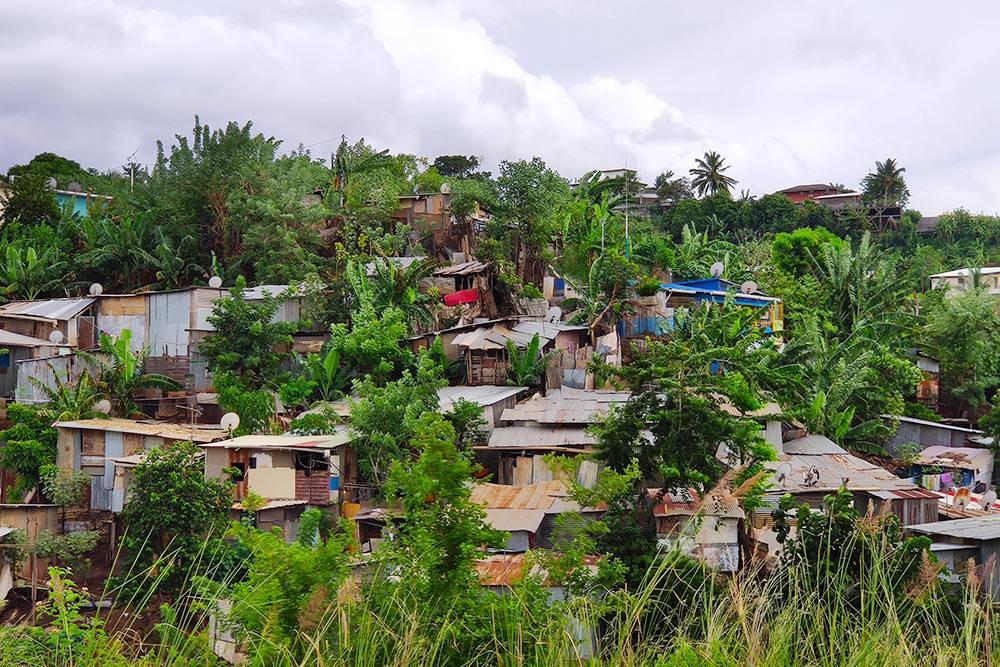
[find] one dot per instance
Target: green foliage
(173, 507)
(26, 273)
(648, 286)
(885, 186)
(794, 252)
(64, 487)
(526, 367)
(254, 406)
(68, 549)
(245, 338)
(30, 200)
(29, 445)
(466, 418)
(324, 423)
(443, 530)
(120, 373)
(708, 175)
(371, 347)
(68, 401)
(386, 416)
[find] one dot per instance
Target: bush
(648, 286)
(530, 291)
(69, 549)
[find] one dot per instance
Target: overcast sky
(788, 92)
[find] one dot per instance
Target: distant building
(81, 203)
(810, 191)
(961, 280)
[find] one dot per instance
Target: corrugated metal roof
(546, 329)
(955, 457)
(482, 395)
(812, 445)
(541, 436)
(11, 339)
(495, 338)
(463, 269)
(540, 496)
(5, 531)
(171, 431)
(512, 520)
(976, 528)
(924, 422)
(342, 437)
(257, 293)
(565, 406)
(274, 504)
(48, 309)
(959, 273)
(507, 569)
(833, 471)
(675, 501)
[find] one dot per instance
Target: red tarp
(464, 296)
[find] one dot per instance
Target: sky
(788, 92)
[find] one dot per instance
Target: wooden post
(112, 541)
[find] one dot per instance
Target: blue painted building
(654, 316)
(79, 201)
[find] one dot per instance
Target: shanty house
(939, 467)
(925, 433)
(486, 355)
(95, 445)
(308, 468)
(707, 529)
(493, 400)
(72, 318)
(21, 348)
(956, 541)
(962, 280)
(813, 466)
(528, 512)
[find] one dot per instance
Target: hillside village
(368, 368)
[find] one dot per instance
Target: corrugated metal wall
(169, 321)
(68, 368)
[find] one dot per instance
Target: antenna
(717, 269)
(446, 188)
(749, 287)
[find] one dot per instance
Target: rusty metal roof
(515, 520)
(565, 406)
(540, 496)
(507, 569)
(172, 431)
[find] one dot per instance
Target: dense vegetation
(229, 203)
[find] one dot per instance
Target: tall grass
(782, 618)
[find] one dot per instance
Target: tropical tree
(885, 186)
(120, 373)
(526, 367)
(672, 189)
(67, 400)
(393, 286)
(118, 250)
(708, 175)
(26, 274)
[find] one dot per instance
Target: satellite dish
(56, 336)
(553, 314)
(962, 497)
(96, 289)
(717, 269)
(749, 287)
(103, 406)
(446, 188)
(230, 421)
(215, 282)
(74, 187)
(988, 499)
(52, 183)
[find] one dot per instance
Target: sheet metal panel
(169, 321)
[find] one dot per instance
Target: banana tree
(526, 367)
(120, 373)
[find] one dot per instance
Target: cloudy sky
(789, 92)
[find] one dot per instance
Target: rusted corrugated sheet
(463, 269)
(534, 496)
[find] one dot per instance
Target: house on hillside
(486, 354)
(654, 316)
(309, 468)
(705, 528)
(429, 214)
(809, 191)
(18, 348)
(79, 202)
(493, 400)
(924, 433)
(928, 389)
(941, 467)
(957, 541)
(97, 446)
(67, 322)
(961, 280)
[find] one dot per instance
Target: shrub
(648, 286)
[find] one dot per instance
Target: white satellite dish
(56, 336)
(749, 287)
(446, 188)
(74, 187)
(988, 499)
(97, 289)
(717, 269)
(553, 314)
(52, 183)
(215, 282)
(230, 421)
(103, 406)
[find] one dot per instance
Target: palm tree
(886, 186)
(120, 373)
(26, 273)
(68, 401)
(391, 285)
(707, 175)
